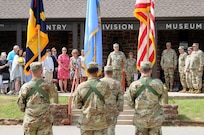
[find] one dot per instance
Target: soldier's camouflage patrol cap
(92, 65)
(145, 65)
(195, 44)
(190, 48)
(130, 53)
(116, 45)
(181, 47)
(108, 68)
(168, 43)
(36, 66)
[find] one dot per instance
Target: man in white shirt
(48, 67)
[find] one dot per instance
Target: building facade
(176, 22)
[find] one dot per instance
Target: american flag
(144, 12)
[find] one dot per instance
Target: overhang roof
(73, 9)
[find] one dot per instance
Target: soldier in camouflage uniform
(117, 59)
(168, 64)
(144, 95)
(130, 68)
(181, 66)
(91, 97)
(187, 71)
(196, 67)
(116, 98)
(34, 100)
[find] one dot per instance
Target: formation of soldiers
(118, 61)
(190, 67)
(101, 100)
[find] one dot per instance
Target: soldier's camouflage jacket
(35, 106)
(116, 60)
(93, 115)
(197, 60)
(168, 59)
(116, 98)
(148, 111)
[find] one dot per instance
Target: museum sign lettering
(184, 26)
(118, 26)
(56, 27)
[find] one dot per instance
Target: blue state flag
(93, 35)
(36, 22)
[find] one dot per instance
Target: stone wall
(60, 112)
(11, 121)
(170, 112)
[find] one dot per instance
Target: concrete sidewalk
(120, 130)
(174, 95)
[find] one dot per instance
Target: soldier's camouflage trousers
(149, 131)
(189, 80)
(196, 78)
(169, 78)
(94, 132)
(117, 74)
(183, 80)
(41, 130)
(111, 128)
(129, 77)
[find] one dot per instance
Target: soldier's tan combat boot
(187, 90)
(194, 91)
(190, 90)
(197, 91)
(183, 90)
(170, 89)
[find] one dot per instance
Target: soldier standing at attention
(196, 67)
(168, 64)
(181, 66)
(117, 60)
(187, 71)
(34, 100)
(130, 68)
(115, 100)
(91, 96)
(144, 95)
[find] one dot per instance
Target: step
(128, 121)
(74, 122)
(125, 122)
(125, 117)
(127, 112)
(76, 111)
(125, 107)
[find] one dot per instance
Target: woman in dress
(63, 70)
(75, 64)
(17, 74)
(83, 73)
